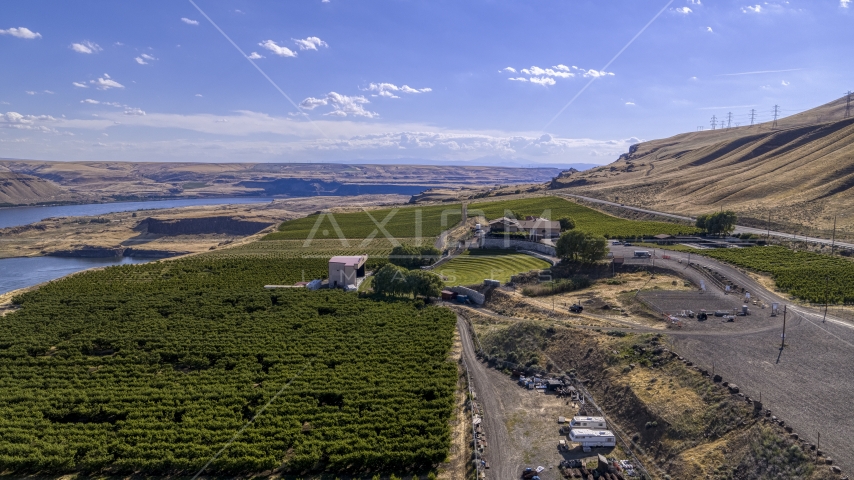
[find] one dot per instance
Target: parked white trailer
(589, 423)
(592, 438)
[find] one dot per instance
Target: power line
(714, 122)
(729, 120)
(776, 112)
(752, 115)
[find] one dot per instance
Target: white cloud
(96, 102)
(842, 3)
(21, 32)
(324, 1)
(25, 122)
(709, 29)
(147, 56)
(89, 100)
(695, 2)
(199, 95)
(683, 10)
(389, 89)
(596, 73)
(544, 81)
(508, 70)
(752, 9)
(342, 105)
(140, 61)
(49, 92)
(785, 83)
(255, 56)
(86, 47)
(548, 76)
(30, 92)
(240, 12)
(133, 111)
(106, 83)
(310, 43)
(630, 103)
(189, 21)
(79, 85)
(693, 78)
(561, 71)
(280, 51)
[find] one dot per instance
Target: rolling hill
(800, 171)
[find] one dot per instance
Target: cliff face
(200, 226)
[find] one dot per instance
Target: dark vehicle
(702, 315)
(576, 308)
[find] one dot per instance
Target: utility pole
(848, 104)
(714, 122)
(728, 119)
(722, 124)
(826, 282)
(776, 113)
(768, 234)
(833, 237)
(783, 340)
(752, 115)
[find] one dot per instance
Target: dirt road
(520, 425)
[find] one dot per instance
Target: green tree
(566, 223)
(569, 245)
(409, 256)
(594, 248)
(390, 280)
(720, 223)
(422, 282)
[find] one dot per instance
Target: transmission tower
(848, 104)
(776, 113)
(722, 124)
(728, 119)
(752, 115)
(714, 122)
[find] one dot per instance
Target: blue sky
(479, 81)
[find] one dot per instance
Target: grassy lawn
(474, 269)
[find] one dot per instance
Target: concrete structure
(473, 295)
(592, 438)
(590, 423)
(346, 271)
(535, 227)
(518, 244)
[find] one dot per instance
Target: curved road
(809, 383)
(738, 228)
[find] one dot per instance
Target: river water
(18, 273)
(24, 272)
(15, 216)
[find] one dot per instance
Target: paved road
(738, 228)
(809, 384)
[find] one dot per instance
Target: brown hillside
(801, 171)
(16, 188)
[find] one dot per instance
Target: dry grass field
(801, 172)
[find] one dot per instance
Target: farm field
(474, 269)
(805, 275)
(586, 219)
(403, 222)
(154, 368)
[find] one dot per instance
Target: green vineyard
(403, 222)
(586, 219)
(812, 277)
(154, 368)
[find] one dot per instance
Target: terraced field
(474, 269)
